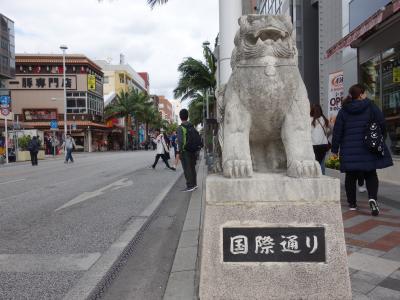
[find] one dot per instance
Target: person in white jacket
(320, 131)
(162, 149)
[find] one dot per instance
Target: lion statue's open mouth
(260, 36)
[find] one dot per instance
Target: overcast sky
(155, 40)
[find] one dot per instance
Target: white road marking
(12, 181)
(124, 182)
(47, 263)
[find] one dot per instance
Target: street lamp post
(64, 48)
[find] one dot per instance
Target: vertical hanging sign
(91, 82)
(335, 95)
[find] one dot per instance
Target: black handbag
(373, 137)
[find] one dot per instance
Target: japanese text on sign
(44, 82)
(280, 244)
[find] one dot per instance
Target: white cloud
(155, 40)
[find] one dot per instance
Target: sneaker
(188, 189)
(352, 206)
(151, 167)
(362, 189)
(374, 207)
(172, 169)
(196, 187)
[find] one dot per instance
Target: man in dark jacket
(355, 157)
(33, 148)
(188, 158)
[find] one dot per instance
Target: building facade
(165, 108)
(305, 19)
(7, 52)
(7, 67)
(120, 77)
(37, 95)
(370, 50)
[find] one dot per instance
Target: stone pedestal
(278, 201)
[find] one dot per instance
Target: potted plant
(23, 152)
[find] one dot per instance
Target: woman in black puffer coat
(355, 157)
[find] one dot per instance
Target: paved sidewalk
(373, 245)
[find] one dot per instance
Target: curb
(93, 282)
(183, 279)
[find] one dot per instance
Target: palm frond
(153, 3)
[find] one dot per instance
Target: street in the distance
(48, 242)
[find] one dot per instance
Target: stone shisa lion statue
(264, 108)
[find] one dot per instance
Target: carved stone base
(265, 201)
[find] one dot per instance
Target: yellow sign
(91, 82)
(396, 75)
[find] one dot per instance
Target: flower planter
(26, 156)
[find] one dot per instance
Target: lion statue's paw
(305, 168)
(238, 168)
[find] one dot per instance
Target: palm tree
(121, 107)
(196, 76)
(196, 80)
(153, 3)
(141, 105)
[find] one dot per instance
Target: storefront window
(391, 96)
(385, 91)
(369, 72)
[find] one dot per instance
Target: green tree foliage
(197, 78)
(132, 104)
(153, 3)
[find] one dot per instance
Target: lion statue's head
(263, 35)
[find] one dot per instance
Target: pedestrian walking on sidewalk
(357, 121)
(320, 132)
(33, 148)
(162, 151)
(69, 145)
(189, 143)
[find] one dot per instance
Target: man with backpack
(189, 143)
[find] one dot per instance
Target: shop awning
(61, 124)
(365, 28)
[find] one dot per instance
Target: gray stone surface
(189, 238)
(362, 286)
(371, 252)
(265, 107)
(395, 275)
(273, 187)
(259, 207)
(376, 233)
(393, 254)
(381, 293)
(368, 277)
(180, 286)
(372, 264)
(185, 259)
(391, 283)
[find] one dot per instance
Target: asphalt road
(56, 220)
(145, 273)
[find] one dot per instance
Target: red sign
(5, 111)
(40, 114)
(360, 30)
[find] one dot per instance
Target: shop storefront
(378, 53)
(381, 76)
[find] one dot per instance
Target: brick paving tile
(355, 242)
(369, 224)
(387, 242)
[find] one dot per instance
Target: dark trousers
(69, 155)
(189, 168)
(34, 158)
(371, 181)
(164, 158)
